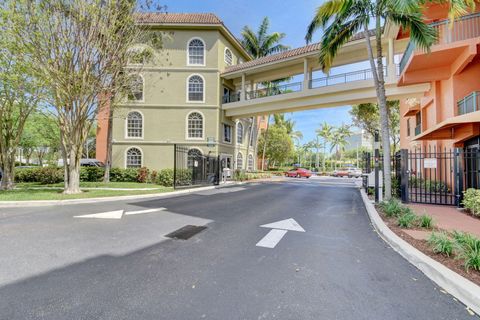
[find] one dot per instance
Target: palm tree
(325, 132)
(339, 140)
(342, 19)
(259, 45)
(289, 125)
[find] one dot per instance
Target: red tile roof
(286, 54)
(179, 18)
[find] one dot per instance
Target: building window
(408, 128)
(239, 161)
(135, 125)
(194, 157)
(239, 133)
(250, 162)
(195, 88)
(227, 133)
(135, 92)
(228, 57)
(195, 126)
(196, 52)
(134, 158)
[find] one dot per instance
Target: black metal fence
(431, 176)
(193, 169)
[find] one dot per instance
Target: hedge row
(51, 175)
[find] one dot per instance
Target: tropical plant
(407, 219)
(425, 221)
(441, 243)
(342, 19)
(338, 140)
(261, 44)
(325, 132)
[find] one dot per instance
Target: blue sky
(288, 16)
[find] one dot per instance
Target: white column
(306, 75)
(242, 95)
(391, 68)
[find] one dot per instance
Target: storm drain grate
(186, 232)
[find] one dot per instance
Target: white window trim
(126, 152)
(225, 57)
(203, 126)
(236, 133)
(204, 53)
(236, 160)
(231, 132)
(204, 88)
(143, 90)
(195, 148)
(253, 162)
(143, 126)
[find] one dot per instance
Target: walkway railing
(470, 103)
(466, 27)
(343, 78)
(274, 90)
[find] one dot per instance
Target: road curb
(461, 288)
(42, 203)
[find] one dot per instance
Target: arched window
(250, 162)
(195, 88)
(134, 158)
(239, 133)
(195, 126)
(196, 52)
(239, 161)
(194, 155)
(135, 125)
(228, 57)
(135, 92)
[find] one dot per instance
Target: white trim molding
(187, 89)
(204, 52)
(126, 125)
(203, 126)
(133, 147)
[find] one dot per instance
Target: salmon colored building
(448, 115)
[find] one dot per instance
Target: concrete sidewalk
(449, 218)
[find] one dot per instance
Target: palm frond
(422, 34)
(324, 13)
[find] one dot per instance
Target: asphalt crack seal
(186, 232)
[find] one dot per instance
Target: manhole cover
(186, 232)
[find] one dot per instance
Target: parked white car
(354, 172)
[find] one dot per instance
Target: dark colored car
(298, 173)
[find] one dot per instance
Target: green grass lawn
(25, 193)
(129, 185)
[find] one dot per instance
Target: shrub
(165, 178)
(43, 175)
(239, 175)
(426, 221)
(441, 243)
(123, 175)
(407, 219)
(153, 176)
(142, 175)
(393, 208)
(471, 201)
(91, 174)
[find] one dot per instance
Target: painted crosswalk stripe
(271, 239)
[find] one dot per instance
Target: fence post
(174, 166)
(377, 169)
(404, 175)
(458, 174)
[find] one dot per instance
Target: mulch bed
(422, 245)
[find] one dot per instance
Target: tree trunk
(378, 78)
(265, 143)
(108, 162)
(73, 168)
(8, 161)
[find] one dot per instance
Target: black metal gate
(193, 169)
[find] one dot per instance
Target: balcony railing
(470, 103)
(466, 27)
(418, 129)
(344, 78)
(234, 97)
(274, 90)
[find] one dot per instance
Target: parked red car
(298, 173)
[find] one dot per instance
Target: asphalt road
(55, 266)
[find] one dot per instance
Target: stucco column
(306, 75)
(391, 68)
(242, 95)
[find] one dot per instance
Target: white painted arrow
(103, 215)
(279, 229)
(131, 213)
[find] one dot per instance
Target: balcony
(469, 104)
(344, 78)
(234, 97)
(274, 90)
(418, 129)
(466, 27)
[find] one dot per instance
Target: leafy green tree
(338, 140)
(325, 132)
(80, 48)
(342, 19)
(278, 147)
(20, 91)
